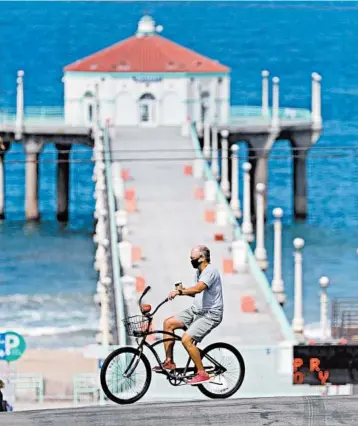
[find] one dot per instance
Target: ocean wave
(49, 315)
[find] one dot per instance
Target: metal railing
(34, 115)
(238, 112)
(255, 269)
(117, 283)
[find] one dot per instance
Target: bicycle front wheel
(226, 366)
(119, 388)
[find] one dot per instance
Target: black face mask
(195, 263)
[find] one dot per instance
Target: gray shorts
(198, 325)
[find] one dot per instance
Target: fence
(345, 319)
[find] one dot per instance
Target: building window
(90, 113)
(89, 105)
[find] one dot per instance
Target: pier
(258, 126)
(160, 209)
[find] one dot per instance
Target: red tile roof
(147, 54)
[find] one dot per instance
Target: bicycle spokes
(221, 364)
(119, 383)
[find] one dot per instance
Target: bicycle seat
(145, 308)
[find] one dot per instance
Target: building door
(147, 110)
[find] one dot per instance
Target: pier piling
(63, 175)
(32, 149)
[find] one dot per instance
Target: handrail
(117, 283)
(259, 275)
(237, 111)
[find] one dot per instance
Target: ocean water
(47, 279)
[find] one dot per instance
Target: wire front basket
(137, 326)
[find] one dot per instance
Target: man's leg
(170, 324)
(193, 351)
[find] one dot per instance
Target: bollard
(210, 190)
(275, 102)
(125, 254)
(221, 215)
(246, 227)
(298, 322)
(277, 284)
(225, 184)
(260, 251)
(129, 287)
(235, 199)
(324, 281)
(265, 93)
(206, 147)
(215, 154)
(240, 256)
(316, 100)
(121, 218)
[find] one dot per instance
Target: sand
(58, 368)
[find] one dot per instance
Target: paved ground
(307, 411)
(170, 221)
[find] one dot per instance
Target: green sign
(12, 346)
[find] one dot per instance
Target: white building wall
(224, 100)
(175, 98)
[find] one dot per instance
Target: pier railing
(116, 270)
(53, 115)
(255, 113)
(34, 115)
(254, 267)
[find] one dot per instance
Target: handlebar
(177, 284)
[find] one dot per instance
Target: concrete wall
(175, 98)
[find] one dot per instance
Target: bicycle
(133, 361)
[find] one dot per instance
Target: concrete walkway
(169, 221)
(327, 411)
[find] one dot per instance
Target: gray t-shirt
(212, 297)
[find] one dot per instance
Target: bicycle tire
(104, 368)
(240, 360)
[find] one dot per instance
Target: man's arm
(191, 291)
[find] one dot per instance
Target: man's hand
(173, 294)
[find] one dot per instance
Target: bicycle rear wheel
(121, 389)
(224, 384)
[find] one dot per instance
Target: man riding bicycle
(201, 318)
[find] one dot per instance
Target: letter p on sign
(11, 342)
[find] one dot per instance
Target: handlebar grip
(146, 291)
(143, 294)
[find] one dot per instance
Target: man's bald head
(199, 251)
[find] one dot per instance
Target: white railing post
(260, 251)
(235, 199)
(275, 102)
(206, 148)
(298, 322)
(215, 154)
(316, 100)
(246, 226)
(324, 281)
(19, 124)
(225, 184)
(265, 93)
(277, 284)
